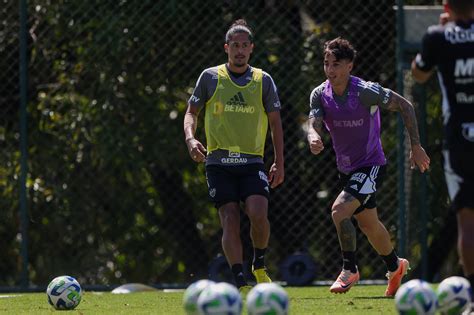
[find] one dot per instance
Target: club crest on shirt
(212, 192)
(468, 131)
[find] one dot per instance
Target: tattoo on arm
(347, 235)
(406, 109)
(318, 124)
(315, 126)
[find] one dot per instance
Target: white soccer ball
(416, 297)
(454, 295)
(64, 293)
(191, 296)
(267, 298)
(220, 298)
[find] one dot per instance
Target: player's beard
(240, 63)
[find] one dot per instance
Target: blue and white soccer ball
(267, 298)
(64, 293)
(416, 297)
(191, 296)
(454, 295)
(220, 298)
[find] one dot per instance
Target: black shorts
(459, 173)
(363, 184)
(236, 183)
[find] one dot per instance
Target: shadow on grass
(373, 297)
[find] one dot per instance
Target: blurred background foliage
(113, 196)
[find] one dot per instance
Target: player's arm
(190, 122)
(315, 122)
(422, 66)
(315, 127)
(277, 171)
(195, 148)
(419, 75)
(400, 104)
(271, 102)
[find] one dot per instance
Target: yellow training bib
(235, 118)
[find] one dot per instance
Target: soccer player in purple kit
(349, 108)
(450, 48)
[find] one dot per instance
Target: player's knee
(230, 232)
(340, 212)
(257, 215)
(230, 222)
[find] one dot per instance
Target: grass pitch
(361, 299)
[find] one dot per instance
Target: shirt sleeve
(315, 105)
(427, 58)
(373, 94)
(200, 93)
(270, 98)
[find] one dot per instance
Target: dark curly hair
(340, 48)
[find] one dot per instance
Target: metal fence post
(401, 134)
(24, 279)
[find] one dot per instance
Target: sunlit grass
(361, 299)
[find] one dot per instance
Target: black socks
(258, 263)
(238, 272)
(349, 261)
(391, 260)
(259, 258)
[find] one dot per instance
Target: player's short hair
(239, 26)
(461, 7)
(341, 49)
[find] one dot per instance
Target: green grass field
(362, 299)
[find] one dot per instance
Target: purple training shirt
(354, 129)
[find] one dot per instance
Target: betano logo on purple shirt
(348, 123)
(354, 129)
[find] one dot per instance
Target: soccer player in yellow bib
(240, 103)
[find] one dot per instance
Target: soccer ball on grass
(454, 295)
(415, 297)
(64, 293)
(191, 296)
(220, 298)
(267, 298)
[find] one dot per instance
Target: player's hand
(276, 175)
(315, 145)
(196, 150)
(419, 158)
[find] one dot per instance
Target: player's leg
(223, 191)
(257, 210)
(359, 188)
(256, 207)
(379, 238)
(375, 231)
(465, 218)
(255, 191)
(229, 215)
(342, 211)
(459, 173)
